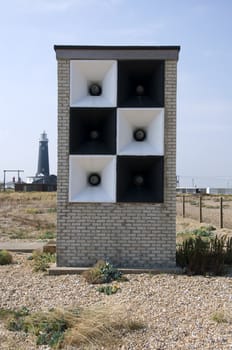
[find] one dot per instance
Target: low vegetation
(41, 260)
(205, 232)
(200, 256)
(108, 290)
(51, 210)
(47, 235)
(5, 257)
(34, 211)
(27, 215)
(222, 316)
(58, 328)
(103, 272)
(219, 317)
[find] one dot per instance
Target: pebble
(176, 309)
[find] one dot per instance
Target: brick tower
(116, 155)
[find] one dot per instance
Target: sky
(28, 74)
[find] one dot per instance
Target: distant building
(42, 181)
(211, 190)
(190, 190)
(43, 160)
(204, 190)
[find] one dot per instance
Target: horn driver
(95, 90)
(138, 180)
(94, 179)
(139, 134)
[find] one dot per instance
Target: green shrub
(216, 255)
(42, 261)
(47, 235)
(5, 257)
(15, 323)
(5, 314)
(228, 253)
(110, 273)
(52, 210)
(222, 316)
(198, 256)
(103, 272)
(48, 327)
(204, 231)
(108, 290)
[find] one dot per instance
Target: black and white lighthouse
(43, 160)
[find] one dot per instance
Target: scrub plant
(47, 235)
(108, 290)
(41, 260)
(103, 272)
(5, 257)
(228, 253)
(94, 327)
(199, 256)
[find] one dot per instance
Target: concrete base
(21, 246)
(54, 270)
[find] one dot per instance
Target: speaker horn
(92, 131)
(93, 83)
(92, 179)
(140, 179)
(140, 131)
(141, 83)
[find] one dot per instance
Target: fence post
(200, 208)
(221, 212)
(183, 206)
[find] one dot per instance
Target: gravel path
(177, 310)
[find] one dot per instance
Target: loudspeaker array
(116, 131)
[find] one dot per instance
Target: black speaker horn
(141, 83)
(140, 179)
(92, 131)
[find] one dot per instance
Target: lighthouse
(43, 160)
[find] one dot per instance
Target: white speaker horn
(140, 131)
(93, 83)
(92, 178)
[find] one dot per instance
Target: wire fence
(215, 210)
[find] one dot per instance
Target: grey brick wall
(135, 235)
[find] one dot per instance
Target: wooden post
(221, 212)
(4, 181)
(200, 208)
(183, 206)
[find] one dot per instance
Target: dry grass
(210, 209)
(83, 328)
(222, 315)
(101, 327)
(30, 215)
(27, 215)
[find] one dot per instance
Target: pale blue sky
(28, 94)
